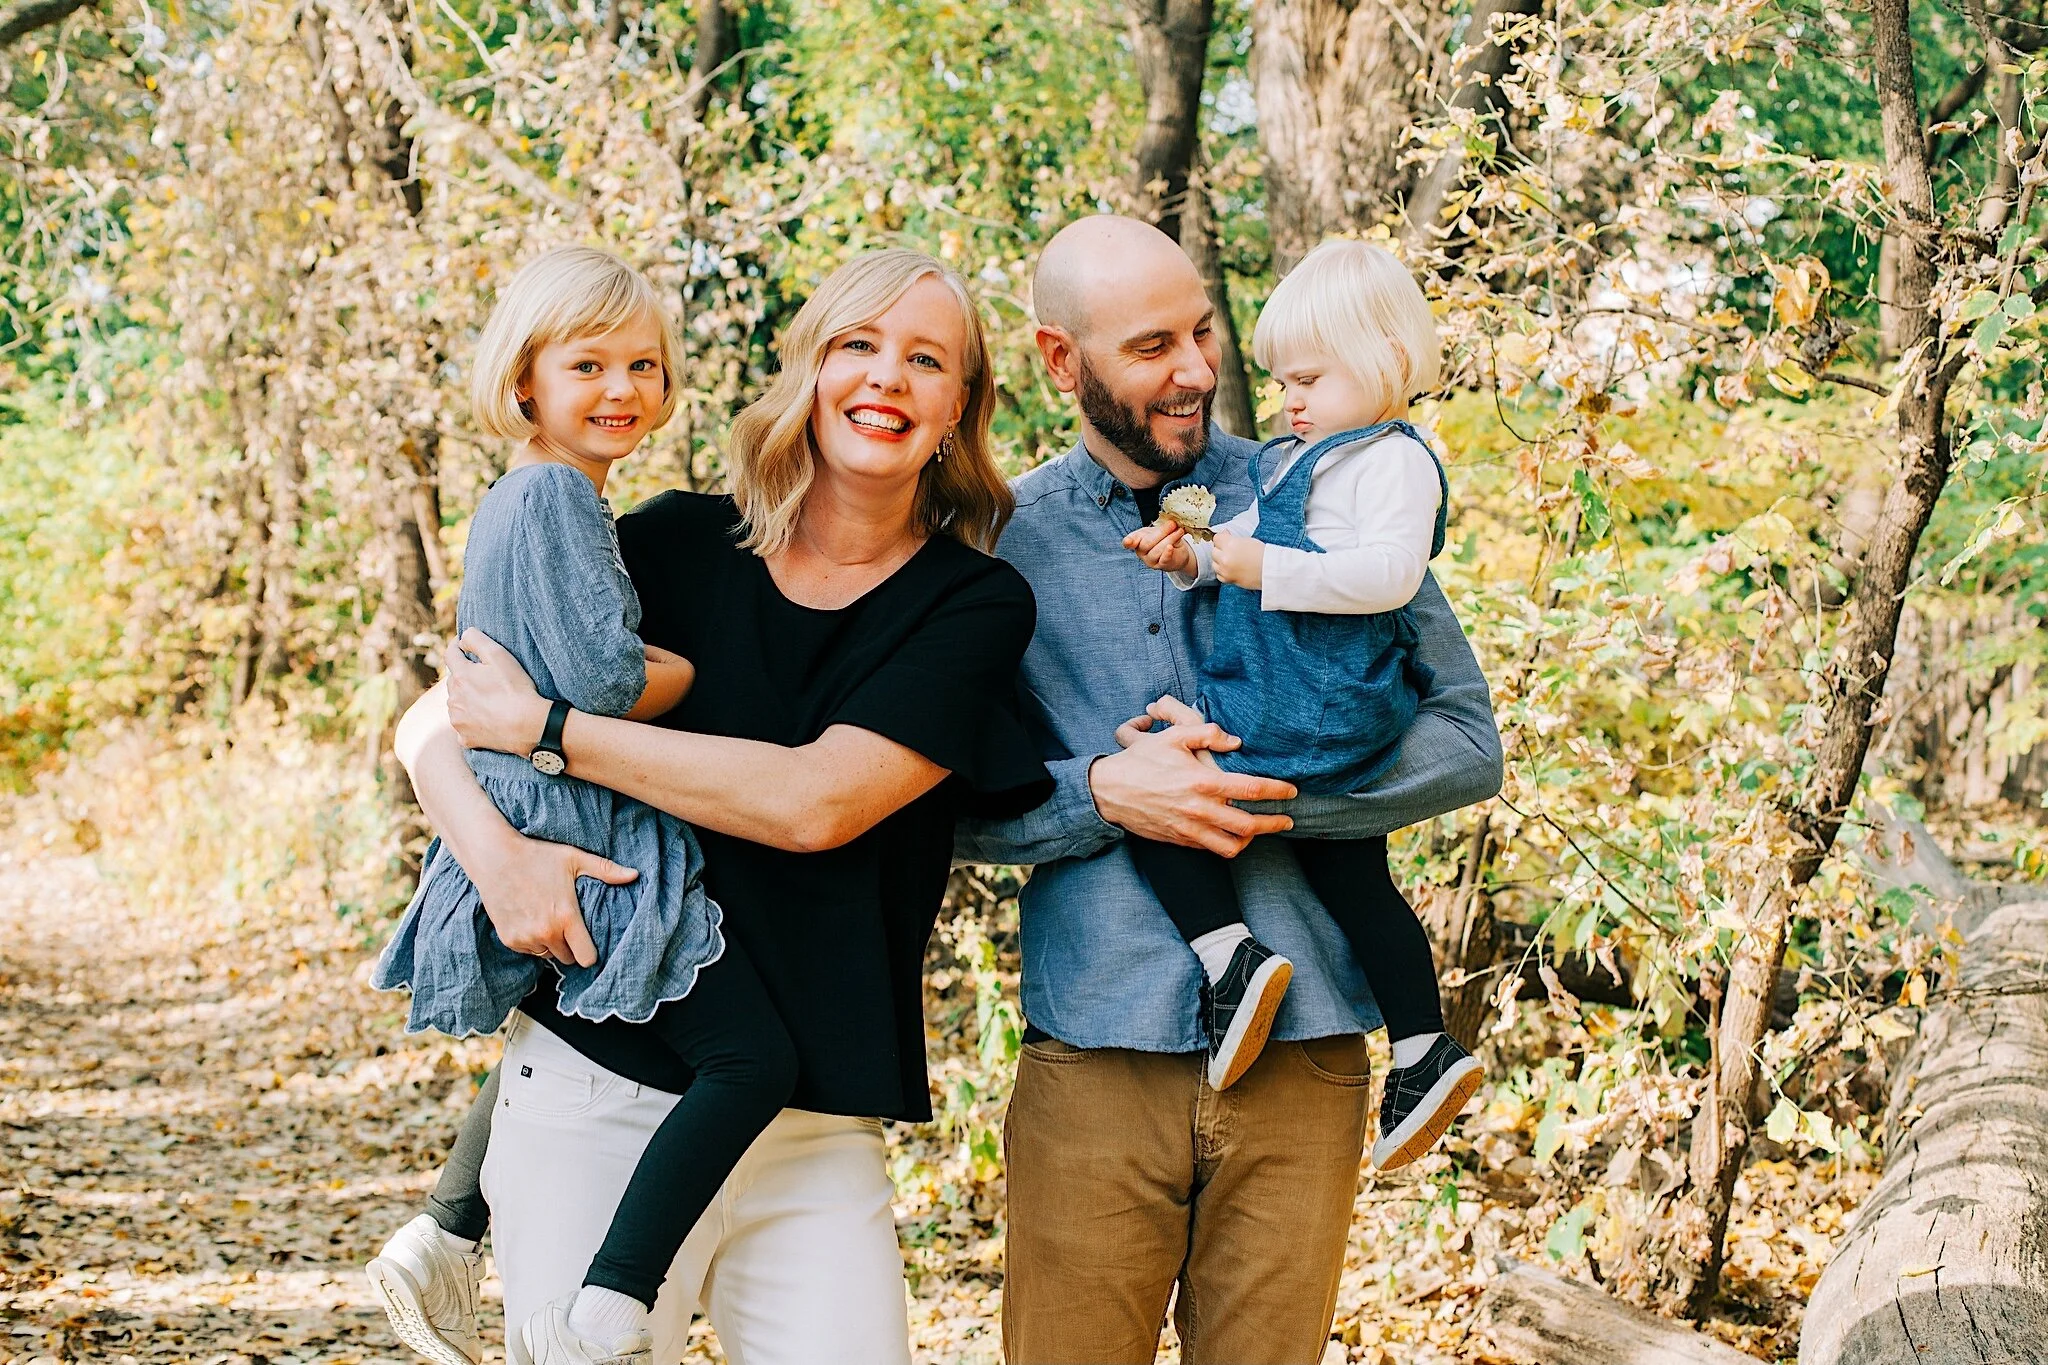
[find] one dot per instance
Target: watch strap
(551, 733)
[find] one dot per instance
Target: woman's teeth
(880, 421)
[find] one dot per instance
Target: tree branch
(26, 19)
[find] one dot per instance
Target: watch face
(547, 762)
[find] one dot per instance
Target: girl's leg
(808, 1271)
(729, 1034)
(1433, 1076)
(1192, 883)
(457, 1203)
(1247, 980)
(1350, 877)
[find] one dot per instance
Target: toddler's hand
(1239, 559)
(1163, 547)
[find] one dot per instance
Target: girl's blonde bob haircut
(1357, 305)
(559, 295)
(771, 459)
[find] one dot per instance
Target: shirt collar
(1101, 487)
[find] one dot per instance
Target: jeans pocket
(1054, 1051)
(1342, 1059)
(550, 1092)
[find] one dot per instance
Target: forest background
(1744, 428)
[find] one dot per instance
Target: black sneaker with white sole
(1422, 1101)
(1238, 1009)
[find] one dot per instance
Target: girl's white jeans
(797, 1260)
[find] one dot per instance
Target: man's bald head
(1125, 325)
(1093, 261)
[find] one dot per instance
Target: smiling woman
(857, 654)
(885, 371)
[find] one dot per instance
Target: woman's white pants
(796, 1261)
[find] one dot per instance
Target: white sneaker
(545, 1339)
(429, 1292)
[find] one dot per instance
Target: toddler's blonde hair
(1358, 305)
(559, 295)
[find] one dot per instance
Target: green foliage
(67, 501)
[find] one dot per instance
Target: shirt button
(1102, 501)
(1152, 629)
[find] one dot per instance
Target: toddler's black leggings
(1350, 877)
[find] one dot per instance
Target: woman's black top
(927, 658)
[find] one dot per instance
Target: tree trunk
(718, 40)
(1170, 46)
(1801, 834)
(1476, 71)
(1467, 941)
(1536, 1318)
(1233, 406)
(1170, 42)
(1334, 86)
(1942, 1263)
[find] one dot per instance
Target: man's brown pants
(1127, 1174)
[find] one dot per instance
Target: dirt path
(205, 1129)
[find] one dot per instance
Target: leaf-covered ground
(208, 1122)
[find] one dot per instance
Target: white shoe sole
(1432, 1118)
(1252, 1024)
(402, 1302)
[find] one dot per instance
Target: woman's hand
(491, 702)
(1164, 546)
(529, 891)
(1239, 559)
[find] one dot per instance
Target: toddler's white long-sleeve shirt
(1372, 507)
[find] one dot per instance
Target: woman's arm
(669, 677)
(528, 885)
(805, 799)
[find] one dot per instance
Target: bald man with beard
(1132, 1183)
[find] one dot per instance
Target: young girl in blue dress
(1313, 664)
(576, 364)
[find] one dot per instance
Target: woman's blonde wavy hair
(771, 458)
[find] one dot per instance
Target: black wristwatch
(547, 757)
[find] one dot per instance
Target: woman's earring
(945, 446)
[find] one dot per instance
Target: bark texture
(1533, 1317)
(1945, 1263)
(1335, 82)
(1170, 44)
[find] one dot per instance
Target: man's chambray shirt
(1103, 965)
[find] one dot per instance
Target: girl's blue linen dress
(1320, 700)
(542, 575)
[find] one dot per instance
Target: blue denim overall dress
(1320, 700)
(543, 576)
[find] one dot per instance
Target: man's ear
(1062, 359)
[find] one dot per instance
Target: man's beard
(1129, 430)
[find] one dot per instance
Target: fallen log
(1946, 1262)
(1533, 1317)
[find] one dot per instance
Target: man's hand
(1160, 788)
(1164, 546)
(529, 891)
(1239, 559)
(491, 702)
